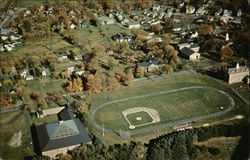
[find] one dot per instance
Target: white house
(63, 58)
(190, 9)
(30, 77)
(106, 20)
(190, 54)
(133, 25)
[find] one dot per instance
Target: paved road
(126, 134)
(11, 108)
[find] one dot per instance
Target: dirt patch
(152, 112)
(16, 139)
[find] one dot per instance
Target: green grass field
(170, 106)
(145, 118)
(170, 83)
(6, 133)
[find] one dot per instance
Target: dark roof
(183, 41)
(66, 114)
(151, 60)
(194, 45)
(187, 51)
(61, 134)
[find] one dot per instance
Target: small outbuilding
(190, 54)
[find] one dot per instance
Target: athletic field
(161, 107)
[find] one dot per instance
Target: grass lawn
(244, 92)
(29, 3)
(46, 119)
(92, 33)
(46, 85)
(171, 107)
(169, 83)
(6, 133)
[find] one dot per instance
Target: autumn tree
(139, 72)
(94, 83)
(205, 29)
(81, 107)
(75, 85)
(40, 100)
(112, 83)
(225, 52)
(156, 28)
(56, 97)
(5, 98)
(23, 92)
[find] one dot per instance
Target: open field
(6, 133)
(29, 3)
(46, 85)
(171, 105)
(170, 83)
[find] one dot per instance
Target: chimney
(237, 66)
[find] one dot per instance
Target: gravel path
(166, 125)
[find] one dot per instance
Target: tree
(75, 85)
(66, 74)
(112, 83)
(57, 98)
(225, 52)
(23, 92)
(206, 29)
(156, 28)
(168, 69)
(40, 100)
(5, 98)
(81, 107)
(94, 83)
(139, 72)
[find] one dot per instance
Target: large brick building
(237, 74)
(59, 137)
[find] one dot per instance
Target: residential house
(63, 58)
(60, 137)
(24, 73)
(79, 72)
(183, 43)
(29, 77)
(237, 74)
(122, 38)
(133, 25)
(71, 69)
(156, 7)
(195, 47)
(45, 72)
(150, 65)
(190, 9)
(106, 20)
(189, 54)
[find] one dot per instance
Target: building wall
(51, 111)
(180, 46)
(237, 77)
(196, 49)
(53, 153)
(195, 56)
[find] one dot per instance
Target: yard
(46, 85)
(6, 133)
(29, 3)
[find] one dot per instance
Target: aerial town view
(124, 79)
